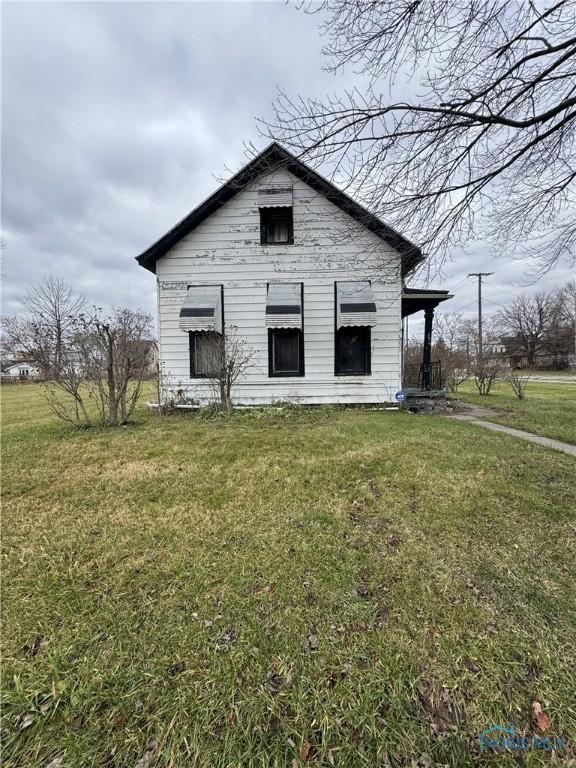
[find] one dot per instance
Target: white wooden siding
(328, 246)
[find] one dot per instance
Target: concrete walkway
(566, 379)
(476, 414)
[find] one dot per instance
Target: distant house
(24, 370)
(510, 350)
(552, 352)
(313, 282)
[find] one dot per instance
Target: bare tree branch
(489, 147)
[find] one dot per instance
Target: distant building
(510, 350)
(23, 370)
(552, 352)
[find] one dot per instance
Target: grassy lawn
(280, 588)
(549, 409)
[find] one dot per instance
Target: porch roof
(418, 299)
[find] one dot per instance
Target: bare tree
(450, 349)
(413, 348)
(19, 339)
(449, 328)
(470, 340)
(565, 321)
(232, 359)
(566, 300)
(488, 146)
(44, 330)
(529, 318)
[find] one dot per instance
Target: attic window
(276, 226)
(276, 217)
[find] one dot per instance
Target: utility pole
(575, 331)
(480, 275)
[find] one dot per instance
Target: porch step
(414, 392)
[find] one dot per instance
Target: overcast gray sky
(117, 117)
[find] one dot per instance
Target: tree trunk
(58, 357)
(228, 396)
(112, 410)
(531, 352)
(224, 395)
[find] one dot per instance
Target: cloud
(118, 118)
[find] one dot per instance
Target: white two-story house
(310, 280)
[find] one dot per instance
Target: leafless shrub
(170, 397)
(232, 358)
(486, 372)
(66, 395)
(109, 356)
(224, 362)
(455, 375)
(517, 378)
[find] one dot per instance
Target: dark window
(276, 225)
(285, 352)
(205, 351)
(353, 351)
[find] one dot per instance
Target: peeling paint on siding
(328, 246)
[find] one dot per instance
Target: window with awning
(276, 214)
(284, 313)
(284, 305)
(202, 309)
(355, 304)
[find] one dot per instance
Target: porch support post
(427, 353)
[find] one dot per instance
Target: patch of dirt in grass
(444, 708)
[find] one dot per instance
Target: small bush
(517, 378)
(485, 374)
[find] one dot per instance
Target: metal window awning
(274, 196)
(202, 309)
(284, 305)
(355, 304)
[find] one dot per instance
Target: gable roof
(21, 364)
(275, 155)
